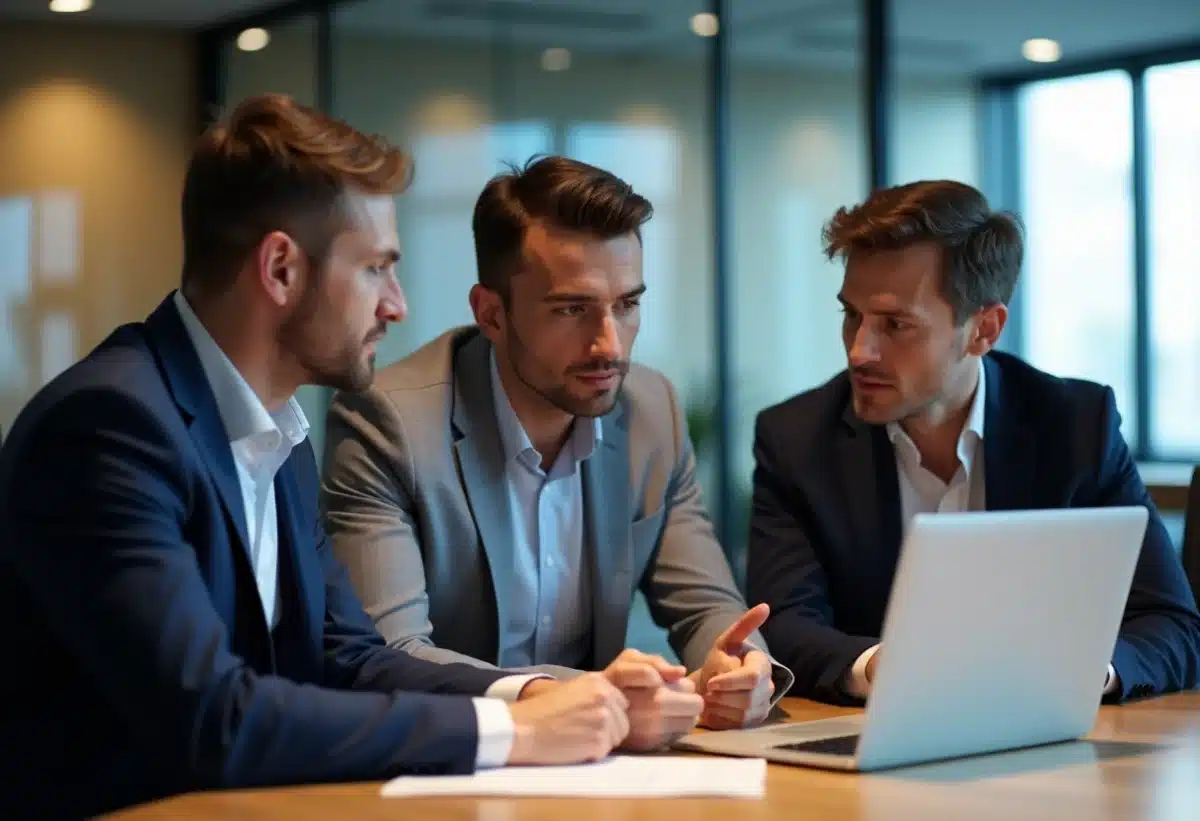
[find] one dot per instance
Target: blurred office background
(747, 122)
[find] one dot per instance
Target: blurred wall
(95, 128)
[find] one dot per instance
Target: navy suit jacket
(826, 525)
(140, 662)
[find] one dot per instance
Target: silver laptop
(998, 635)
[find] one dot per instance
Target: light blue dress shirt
(550, 613)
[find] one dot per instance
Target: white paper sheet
(615, 777)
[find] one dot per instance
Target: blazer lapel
(1008, 448)
(480, 455)
(301, 624)
(870, 487)
(608, 539)
(195, 398)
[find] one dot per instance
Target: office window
(1173, 189)
(1076, 181)
(451, 168)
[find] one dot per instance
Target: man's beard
(343, 369)
(560, 396)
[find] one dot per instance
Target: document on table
(620, 776)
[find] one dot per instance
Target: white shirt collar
(516, 441)
(972, 432)
(242, 412)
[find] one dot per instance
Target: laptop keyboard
(827, 726)
(838, 745)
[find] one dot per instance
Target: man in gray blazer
(498, 495)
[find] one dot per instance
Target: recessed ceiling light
(705, 24)
(253, 39)
(556, 59)
(1041, 50)
(69, 6)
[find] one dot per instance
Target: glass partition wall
(748, 124)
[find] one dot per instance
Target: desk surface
(1142, 761)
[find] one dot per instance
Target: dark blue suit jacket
(139, 660)
(826, 524)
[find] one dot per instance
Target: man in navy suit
(928, 418)
(176, 618)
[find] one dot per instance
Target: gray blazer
(415, 505)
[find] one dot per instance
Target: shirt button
(549, 561)
(545, 621)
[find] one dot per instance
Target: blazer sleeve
(101, 516)
(690, 589)
(367, 504)
(1158, 647)
(783, 570)
(356, 656)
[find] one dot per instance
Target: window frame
(1002, 150)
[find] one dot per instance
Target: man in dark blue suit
(928, 418)
(176, 618)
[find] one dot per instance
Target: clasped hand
(638, 703)
(641, 702)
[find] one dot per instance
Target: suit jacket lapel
(870, 487)
(195, 398)
(607, 537)
(480, 454)
(301, 585)
(1008, 448)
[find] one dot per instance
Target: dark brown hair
(557, 192)
(982, 249)
(275, 164)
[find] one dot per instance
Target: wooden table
(1142, 761)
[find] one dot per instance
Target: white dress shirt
(261, 442)
(549, 614)
(921, 491)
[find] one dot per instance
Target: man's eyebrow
(567, 296)
(894, 312)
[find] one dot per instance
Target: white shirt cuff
(494, 721)
(856, 680)
(509, 688)
(495, 728)
(1110, 680)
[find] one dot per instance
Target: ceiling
(941, 36)
(171, 13)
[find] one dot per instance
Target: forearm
(819, 656)
(475, 674)
(1158, 653)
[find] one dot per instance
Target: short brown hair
(275, 164)
(557, 192)
(983, 249)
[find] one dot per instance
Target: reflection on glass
(16, 279)
(58, 344)
(58, 237)
(1079, 276)
(39, 265)
(288, 65)
(1173, 177)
